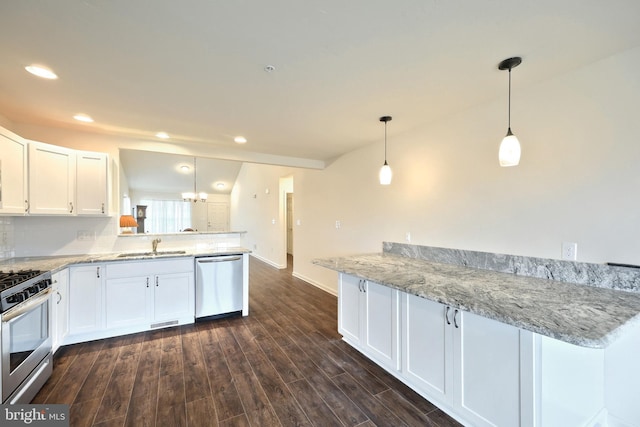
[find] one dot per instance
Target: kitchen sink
(158, 253)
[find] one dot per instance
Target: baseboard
(325, 288)
(268, 261)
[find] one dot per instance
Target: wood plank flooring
(284, 364)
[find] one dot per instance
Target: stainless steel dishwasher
(218, 286)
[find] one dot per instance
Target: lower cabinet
(149, 294)
(59, 308)
(118, 298)
(470, 366)
(465, 361)
(85, 299)
(368, 318)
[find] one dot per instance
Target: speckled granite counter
(56, 263)
(588, 316)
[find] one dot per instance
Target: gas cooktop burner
(11, 278)
(18, 286)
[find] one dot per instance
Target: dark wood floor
(284, 364)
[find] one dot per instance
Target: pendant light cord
(385, 143)
(509, 115)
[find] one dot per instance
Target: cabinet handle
(147, 282)
(26, 206)
(70, 207)
(446, 315)
(156, 280)
(455, 322)
(98, 272)
(102, 207)
(59, 297)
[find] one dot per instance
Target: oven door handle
(218, 259)
(26, 306)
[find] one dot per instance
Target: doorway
(289, 214)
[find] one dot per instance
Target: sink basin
(136, 254)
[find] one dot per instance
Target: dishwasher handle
(218, 259)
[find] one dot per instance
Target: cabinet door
(127, 301)
(349, 318)
(487, 371)
(173, 297)
(381, 323)
(85, 299)
(51, 179)
(428, 346)
(13, 173)
(60, 308)
(91, 183)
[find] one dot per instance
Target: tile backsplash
(32, 236)
(7, 240)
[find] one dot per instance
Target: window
(167, 216)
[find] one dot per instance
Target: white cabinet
(466, 362)
(173, 297)
(91, 183)
(142, 295)
(85, 299)
(13, 173)
(368, 318)
(51, 179)
(60, 308)
(487, 371)
(126, 301)
(427, 346)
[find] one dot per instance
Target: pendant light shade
(509, 153)
(385, 174)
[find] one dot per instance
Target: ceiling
(196, 69)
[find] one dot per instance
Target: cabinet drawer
(125, 269)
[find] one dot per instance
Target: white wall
(257, 206)
(577, 181)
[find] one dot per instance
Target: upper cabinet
(51, 179)
(13, 173)
(63, 181)
(91, 183)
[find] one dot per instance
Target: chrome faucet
(154, 244)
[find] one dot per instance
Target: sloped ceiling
(196, 69)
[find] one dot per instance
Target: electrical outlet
(85, 235)
(407, 236)
(338, 225)
(273, 221)
(569, 251)
(298, 222)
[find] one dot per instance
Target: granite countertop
(587, 316)
(56, 263)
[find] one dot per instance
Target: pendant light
(385, 171)
(509, 154)
(194, 197)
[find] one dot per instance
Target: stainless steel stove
(18, 286)
(25, 344)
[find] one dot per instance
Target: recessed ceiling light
(240, 139)
(83, 118)
(40, 71)
(220, 185)
(184, 168)
(269, 68)
(162, 135)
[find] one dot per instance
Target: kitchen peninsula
(491, 339)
